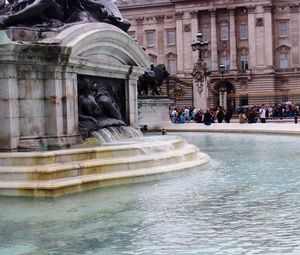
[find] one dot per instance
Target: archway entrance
(224, 95)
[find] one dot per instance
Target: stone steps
(78, 154)
(78, 168)
(151, 162)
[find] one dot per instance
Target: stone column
(140, 30)
(131, 95)
(233, 65)
(70, 103)
(179, 42)
(214, 43)
(9, 107)
(194, 32)
(160, 38)
(294, 10)
(269, 62)
(251, 37)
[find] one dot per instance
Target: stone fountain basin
(56, 173)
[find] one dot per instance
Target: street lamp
(200, 45)
(223, 87)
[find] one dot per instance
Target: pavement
(287, 127)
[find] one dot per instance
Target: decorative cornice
(179, 15)
(160, 18)
(194, 14)
(294, 8)
(251, 9)
(139, 20)
(213, 12)
(267, 8)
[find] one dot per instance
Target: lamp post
(223, 88)
(200, 45)
(200, 92)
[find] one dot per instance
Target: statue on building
(57, 13)
(152, 78)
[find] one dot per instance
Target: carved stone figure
(97, 108)
(57, 13)
(198, 75)
(152, 78)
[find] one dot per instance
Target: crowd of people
(253, 114)
(246, 114)
(191, 114)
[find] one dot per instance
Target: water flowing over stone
(115, 134)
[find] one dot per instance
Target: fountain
(53, 81)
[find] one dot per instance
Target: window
(244, 63)
(225, 62)
(150, 38)
(207, 61)
(224, 33)
(283, 29)
(171, 37)
(206, 33)
(243, 31)
(172, 68)
(284, 60)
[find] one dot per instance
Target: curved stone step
(92, 166)
(80, 154)
(64, 186)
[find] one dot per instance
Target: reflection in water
(246, 202)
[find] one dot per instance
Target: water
(116, 134)
(246, 202)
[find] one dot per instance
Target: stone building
(256, 40)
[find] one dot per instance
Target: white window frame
(243, 31)
(224, 32)
(149, 40)
(171, 37)
(172, 66)
(283, 28)
(284, 60)
(244, 62)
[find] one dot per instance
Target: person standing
(262, 114)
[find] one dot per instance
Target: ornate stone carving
(199, 72)
(139, 20)
(194, 14)
(179, 15)
(187, 27)
(160, 18)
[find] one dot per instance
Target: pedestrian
(262, 114)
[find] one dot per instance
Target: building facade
(257, 41)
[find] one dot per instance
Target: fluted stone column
(194, 31)
(251, 37)
(160, 37)
(294, 10)
(214, 47)
(233, 65)
(269, 62)
(179, 41)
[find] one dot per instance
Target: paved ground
(272, 127)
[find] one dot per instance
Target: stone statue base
(154, 112)
(38, 80)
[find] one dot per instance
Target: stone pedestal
(38, 80)
(153, 112)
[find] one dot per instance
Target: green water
(246, 202)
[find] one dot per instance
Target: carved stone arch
(171, 55)
(153, 58)
(283, 48)
(243, 51)
(101, 43)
